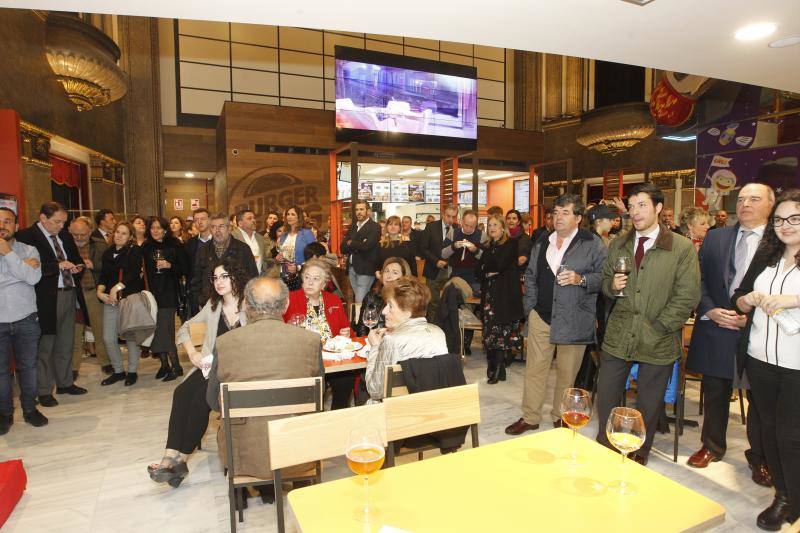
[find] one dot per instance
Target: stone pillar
(573, 86)
(527, 90)
(142, 112)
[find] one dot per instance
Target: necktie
(640, 252)
(66, 275)
(740, 261)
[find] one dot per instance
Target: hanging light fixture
(613, 129)
(84, 60)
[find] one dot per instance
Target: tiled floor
(86, 469)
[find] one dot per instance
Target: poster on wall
(416, 192)
(432, 192)
(365, 190)
(465, 198)
(381, 191)
(399, 191)
(177, 204)
(194, 203)
(522, 197)
(9, 201)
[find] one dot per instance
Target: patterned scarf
(219, 249)
(316, 321)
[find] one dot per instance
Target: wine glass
(563, 267)
(576, 410)
(626, 432)
(365, 456)
(371, 316)
(158, 255)
(297, 320)
(622, 266)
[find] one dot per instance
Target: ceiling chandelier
(84, 60)
(613, 129)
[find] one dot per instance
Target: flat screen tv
(397, 100)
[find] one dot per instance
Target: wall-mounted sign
(194, 203)
(177, 204)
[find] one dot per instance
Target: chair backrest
(425, 412)
(318, 436)
(394, 383)
(271, 398)
(197, 333)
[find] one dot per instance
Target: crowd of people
(605, 289)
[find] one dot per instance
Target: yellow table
(523, 484)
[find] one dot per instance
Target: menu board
(343, 189)
(399, 191)
(365, 190)
(432, 192)
(522, 199)
(416, 192)
(465, 198)
(381, 191)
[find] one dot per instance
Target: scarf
(515, 232)
(219, 249)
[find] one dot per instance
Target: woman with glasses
(770, 352)
(322, 312)
(188, 419)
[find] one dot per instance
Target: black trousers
(342, 384)
(776, 395)
(651, 385)
(717, 407)
(188, 419)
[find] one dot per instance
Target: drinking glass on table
(365, 456)
(371, 316)
(158, 255)
(622, 266)
(626, 432)
(576, 410)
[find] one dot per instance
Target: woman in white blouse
(407, 334)
(771, 355)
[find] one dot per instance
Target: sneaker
(5, 423)
(35, 418)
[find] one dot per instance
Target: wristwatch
(583, 281)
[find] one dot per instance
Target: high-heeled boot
(164, 370)
(499, 366)
(491, 363)
(177, 369)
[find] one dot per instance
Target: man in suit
(724, 258)
(213, 252)
(246, 232)
(360, 245)
(434, 240)
(56, 300)
(202, 223)
(264, 349)
(720, 220)
(105, 222)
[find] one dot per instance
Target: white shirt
(768, 343)
(287, 248)
(49, 239)
(254, 247)
(201, 239)
(651, 239)
(554, 254)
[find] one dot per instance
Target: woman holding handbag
(165, 261)
(121, 276)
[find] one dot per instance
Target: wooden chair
(252, 399)
(394, 383)
(467, 320)
(314, 437)
(421, 413)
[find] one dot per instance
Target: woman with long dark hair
(188, 419)
(177, 228)
(165, 261)
(291, 244)
(523, 240)
(139, 225)
(770, 352)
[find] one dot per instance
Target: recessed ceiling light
(753, 32)
(410, 171)
(377, 170)
(189, 174)
(786, 41)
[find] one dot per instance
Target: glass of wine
(626, 432)
(371, 316)
(622, 266)
(158, 255)
(365, 456)
(576, 410)
(297, 320)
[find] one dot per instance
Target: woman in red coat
(323, 312)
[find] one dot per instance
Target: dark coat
(206, 260)
(129, 262)
(165, 284)
(430, 248)
(713, 348)
(372, 299)
(447, 316)
(362, 250)
(405, 250)
(504, 289)
(47, 288)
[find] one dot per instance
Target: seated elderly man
(264, 349)
(407, 334)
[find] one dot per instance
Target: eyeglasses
(221, 277)
(312, 279)
(793, 220)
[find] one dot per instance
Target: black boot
(773, 517)
(164, 370)
(177, 369)
(491, 363)
(499, 366)
(502, 370)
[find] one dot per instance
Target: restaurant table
(353, 363)
(522, 484)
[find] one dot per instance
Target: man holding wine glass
(561, 285)
(650, 304)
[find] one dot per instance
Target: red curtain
(65, 172)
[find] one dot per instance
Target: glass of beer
(365, 455)
(622, 266)
(625, 431)
(576, 410)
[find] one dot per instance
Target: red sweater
(334, 309)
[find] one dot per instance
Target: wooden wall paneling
(553, 69)
(574, 86)
(190, 149)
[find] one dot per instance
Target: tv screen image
(372, 96)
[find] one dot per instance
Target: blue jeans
(22, 339)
